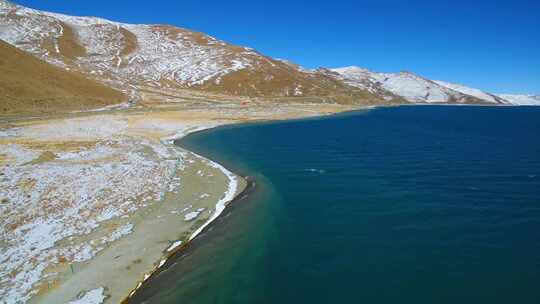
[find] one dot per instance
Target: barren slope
(133, 57)
(29, 85)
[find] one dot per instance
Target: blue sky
(492, 45)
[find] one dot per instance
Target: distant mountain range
(417, 89)
(522, 99)
(133, 57)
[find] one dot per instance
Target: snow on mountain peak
(415, 88)
(522, 99)
(411, 87)
(472, 92)
(351, 70)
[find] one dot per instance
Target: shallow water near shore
(423, 204)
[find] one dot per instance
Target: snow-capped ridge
(412, 87)
(350, 70)
(521, 99)
(473, 92)
(415, 88)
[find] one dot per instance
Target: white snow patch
(471, 91)
(162, 262)
(227, 196)
(522, 99)
(174, 245)
(193, 214)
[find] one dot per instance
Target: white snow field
(522, 99)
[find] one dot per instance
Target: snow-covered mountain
(361, 78)
(131, 56)
(473, 92)
(136, 58)
(411, 87)
(522, 99)
(414, 88)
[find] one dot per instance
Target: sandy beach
(97, 202)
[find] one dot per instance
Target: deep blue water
(423, 204)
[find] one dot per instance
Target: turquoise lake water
(413, 204)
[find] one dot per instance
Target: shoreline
(215, 272)
(175, 253)
(127, 130)
(229, 197)
(164, 128)
(213, 174)
(178, 251)
(191, 245)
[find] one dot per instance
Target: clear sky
(492, 45)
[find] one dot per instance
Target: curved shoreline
(142, 126)
(174, 253)
(230, 196)
(207, 186)
(191, 245)
(206, 183)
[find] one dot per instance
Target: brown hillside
(136, 57)
(29, 85)
(275, 79)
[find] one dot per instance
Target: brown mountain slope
(281, 81)
(136, 57)
(29, 85)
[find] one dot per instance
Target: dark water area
(414, 204)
